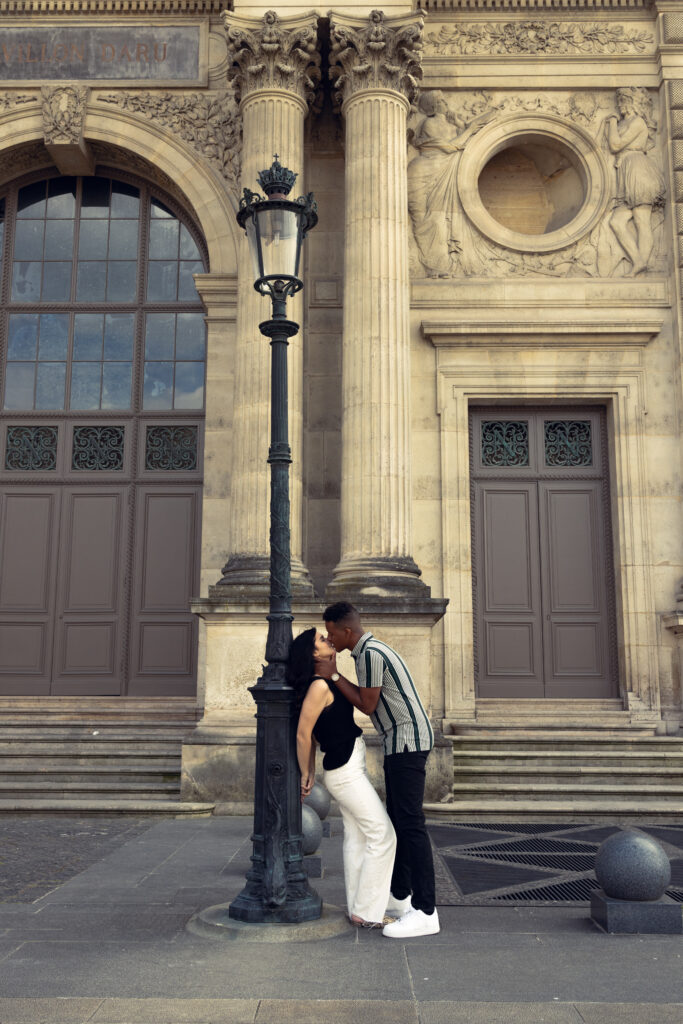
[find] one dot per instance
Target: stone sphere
(319, 799)
(632, 866)
(312, 828)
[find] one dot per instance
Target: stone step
(92, 733)
(493, 774)
(565, 742)
(131, 764)
(620, 809)
(470, 758)
(75, 806)
(94, 748)
(534, 790)
(110, 790)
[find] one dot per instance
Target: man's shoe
(397, 908)
(412, 924)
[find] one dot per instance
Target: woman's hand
(307, 784)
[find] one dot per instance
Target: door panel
(510, 658)
(28, 524)
(91, 595)
(163, 640)
(576, 639)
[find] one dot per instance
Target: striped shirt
(400, 717)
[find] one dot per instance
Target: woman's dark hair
(301, 663)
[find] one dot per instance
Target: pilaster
(274, 68)
(375, 67)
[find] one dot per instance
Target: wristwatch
(335, 677)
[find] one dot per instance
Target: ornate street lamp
(277, 888)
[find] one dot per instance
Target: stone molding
(538, 38)
(378, 52)
(273, 53)
(534, 5)
(11, 98)
(566, 373)
(172, 8)
(208, 121)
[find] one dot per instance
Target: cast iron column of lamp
(277, 888)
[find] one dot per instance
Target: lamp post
(277, 888)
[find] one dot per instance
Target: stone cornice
(377, 52)
(173, 8)
(273, 53)
(442, 6)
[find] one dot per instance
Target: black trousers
(404, 777)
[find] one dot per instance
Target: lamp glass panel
(279, 236)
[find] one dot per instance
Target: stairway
(113, 758)
(565, 775)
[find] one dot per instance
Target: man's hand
(326, 667)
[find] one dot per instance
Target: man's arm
(364, 698)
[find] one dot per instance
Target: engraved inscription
(107, 52)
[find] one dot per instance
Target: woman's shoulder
(319, 685)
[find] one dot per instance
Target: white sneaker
(412, 924)
(397, 908)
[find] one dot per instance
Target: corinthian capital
(376, 53)
(273, 53)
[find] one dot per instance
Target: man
(386, 693)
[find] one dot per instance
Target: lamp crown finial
(277, 180)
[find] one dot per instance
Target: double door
(99, 548)
(543, 578)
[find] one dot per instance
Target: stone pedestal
(218, 757)
(663, 916)
(375, 63)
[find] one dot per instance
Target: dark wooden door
(102, 352)
(543, 590)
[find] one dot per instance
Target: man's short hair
(342, 612)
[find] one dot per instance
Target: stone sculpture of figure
(640, 185)
(439, 137)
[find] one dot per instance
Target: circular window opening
(532, 186)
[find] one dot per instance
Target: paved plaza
(93, 927)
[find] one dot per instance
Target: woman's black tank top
(336, 731)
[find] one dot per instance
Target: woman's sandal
(360, 923)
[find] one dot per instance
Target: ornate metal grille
(31, 448)
(171, 448)
(504, 443)
(97, 448)
(568, 443)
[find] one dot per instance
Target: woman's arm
(317, 698)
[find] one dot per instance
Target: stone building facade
(485, 395)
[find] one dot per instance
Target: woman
(369, 838)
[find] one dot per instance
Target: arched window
(95, 265)
(102, 360)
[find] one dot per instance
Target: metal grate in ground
(479, 864)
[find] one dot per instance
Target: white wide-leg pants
(369, 838)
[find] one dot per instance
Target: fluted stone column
(275, 69)
(375, 65)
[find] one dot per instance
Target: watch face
(334, 677)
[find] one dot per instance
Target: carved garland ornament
(532, 37)
(63, 113)
(275, 56)
(209, 122)
(385, 53)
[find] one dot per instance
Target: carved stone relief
(535, 37)
(382, 54)
(16, 99)
(275, 55)
(63, 113)
(626, 240)
(209, 122)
